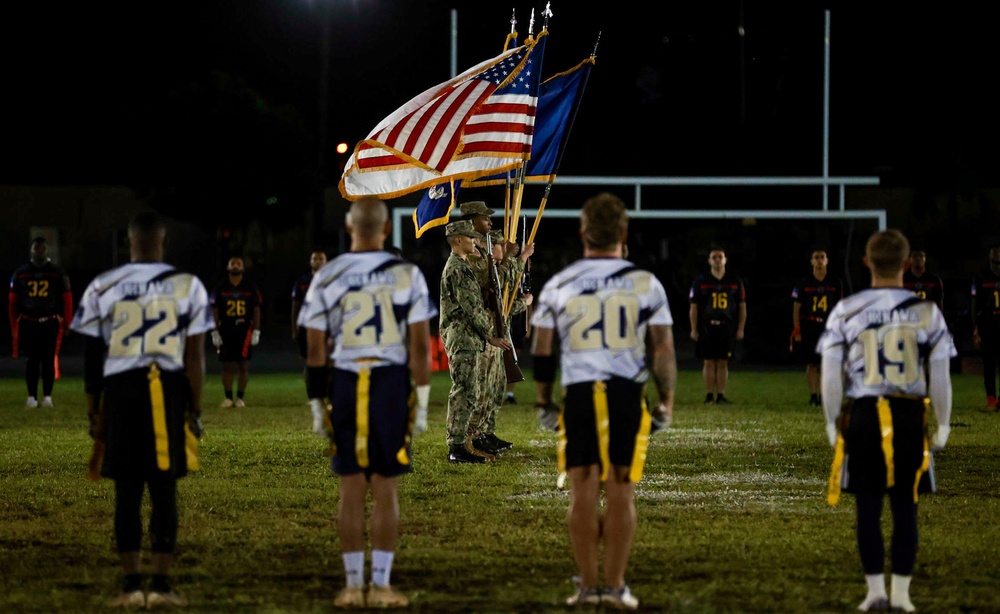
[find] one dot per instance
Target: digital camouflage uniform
(492, 377)
(465, 328)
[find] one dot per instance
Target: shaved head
(367, 217)
(146, 235)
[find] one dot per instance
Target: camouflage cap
(461, 227)
(475, 207)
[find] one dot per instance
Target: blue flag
(435, 207)
(558, 99)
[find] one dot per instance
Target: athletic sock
(381, 567)
(354, 568)
(901, 593)
(229, 394)
(239, 394)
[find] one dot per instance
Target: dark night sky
(88, 88)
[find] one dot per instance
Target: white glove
(255, 338)
(940, 437)
(548, 416)
(831, 433)
(316, 407)
(420, 422)
(662, 418)
(216, 338)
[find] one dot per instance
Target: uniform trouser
(990, 344)
(493, 386)
(128, 517)
(464, 395)
(38, 344)
(904, 531)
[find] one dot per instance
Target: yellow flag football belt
(886, 430)
(160, 434)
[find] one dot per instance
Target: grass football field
(732, 511)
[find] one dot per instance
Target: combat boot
(458, 454)
(483, 445)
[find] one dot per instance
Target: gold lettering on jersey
(593, 284)
(136, 288)
(379, 278)
(888, 316)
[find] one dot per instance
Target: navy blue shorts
(899, 430)
(372, 421)
(627, 424)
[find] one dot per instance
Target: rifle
(526, 277)
(510, 367)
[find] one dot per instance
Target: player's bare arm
(194, 367)
(419, 352)
(541, 345)
(662, 358)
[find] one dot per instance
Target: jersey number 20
(610, 323)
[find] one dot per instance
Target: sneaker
(458, 454)
(227, 403)
(619, 598)
(902, 603)
(318, 425)
(874, 603)
(385, 597)
(584, 596)
(350, 597)
(131, 599)
(499, 444)
(722, 400)
(32, 403)
(709, 398)
(509, 399)
(240, 403)
(47, 402)
(170, 599)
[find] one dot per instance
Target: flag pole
(511, 229)
(562, 149)
(562, 146)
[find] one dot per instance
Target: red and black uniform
(815, 298)
(986, 318)
(235, 307)
(927, 286)
(40, 306)
(718, 302)
(299, 297)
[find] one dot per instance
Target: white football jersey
(888, 335)
(144, 312)
(366, 301)
(601, 308)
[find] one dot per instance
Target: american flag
(478, 123)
